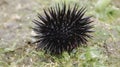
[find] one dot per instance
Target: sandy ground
(16, 20)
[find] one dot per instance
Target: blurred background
(16, 17)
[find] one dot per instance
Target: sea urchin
(62, 29)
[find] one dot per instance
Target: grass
(102, 51)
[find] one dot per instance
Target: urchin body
(62, 29)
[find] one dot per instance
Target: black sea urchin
(62, 29)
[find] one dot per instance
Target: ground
(16, 35)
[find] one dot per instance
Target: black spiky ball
(62, 29)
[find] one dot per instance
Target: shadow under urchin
(62, 29)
